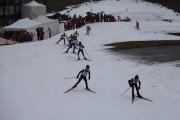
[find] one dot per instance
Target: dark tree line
(171, 4)
(56, 5)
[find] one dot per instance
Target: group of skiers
(73, 43)
(134, 83)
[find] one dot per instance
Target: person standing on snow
(119, 18)
(75, 35)
(88, 28)
(137, 25)
(72, 43)
(63, 37)
(135, 83)
(81, 47)
(83, 75)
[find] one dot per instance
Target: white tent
(49, 26)
(24, 24)
(61, 27)
(33, 9)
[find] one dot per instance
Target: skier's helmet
(87, 66)
(80, 43)
(136, 77)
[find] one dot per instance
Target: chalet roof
(33, 3)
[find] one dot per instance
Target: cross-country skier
(72, 43)
(83, 75)
(63, 37)
(133, 83)
(81, 47)
(75, 35)
(88, 28)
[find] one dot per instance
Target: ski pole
(58, 41)
(63, 47)
(80, 38)
(125, 91)
(69, 78)
(75, 55)
(87, 54)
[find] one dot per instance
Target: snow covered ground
(32, 75)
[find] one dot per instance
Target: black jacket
(84, 73)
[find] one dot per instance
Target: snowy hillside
(32, 75)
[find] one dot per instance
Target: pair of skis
(136, 96)
(83, 59)
(86, 89)
(78, 59)
(147, 99)
(74, 87)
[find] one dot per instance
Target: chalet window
(11, 10)
(18, 9)
(1, 10)
(6, 10)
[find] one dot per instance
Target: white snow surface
(32, 74)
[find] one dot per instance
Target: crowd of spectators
(18, 36)
(79, 21)
(74, 22)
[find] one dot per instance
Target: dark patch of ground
(171, 4)
(177, 34)
(57, 5)
(148, 52)
(142, 44)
